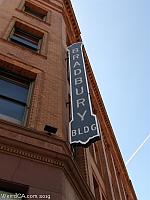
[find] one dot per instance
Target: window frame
(20, 81)
(34, 13)
(25, 40)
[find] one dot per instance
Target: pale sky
(116, 35)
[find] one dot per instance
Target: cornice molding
(51, 150)
(65, 162)
(70, 17)
(29, 155)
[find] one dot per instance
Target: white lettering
(79, 131)
(76, 56)
(79, 92)
(75, 50)
(86, 129)
(80, 101)
(44, 196)
(78, 80)
(82, 115)
(76, 64)
(77, 72)
(93, 127)
(23, 196)
(74, 132)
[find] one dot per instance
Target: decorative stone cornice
(61, 161)
(29, 155)
(62, 158)
(70, 15)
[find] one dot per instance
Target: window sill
(24, 48)
(9, 119)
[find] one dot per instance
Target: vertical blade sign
(83, 127)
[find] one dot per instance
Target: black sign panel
(83, 128)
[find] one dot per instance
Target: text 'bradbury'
(83, 127)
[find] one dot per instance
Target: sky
(116, 35)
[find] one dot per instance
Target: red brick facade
(31, 159)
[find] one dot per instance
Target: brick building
(35, 98)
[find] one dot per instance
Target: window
(12, 191)
(35, 11)
(13, 97)
(26, 37)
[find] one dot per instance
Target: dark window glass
(26, 39)
(35, 11)
(11, 109)
(11, 90)
(13, 98)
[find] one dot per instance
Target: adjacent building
(36, 158)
